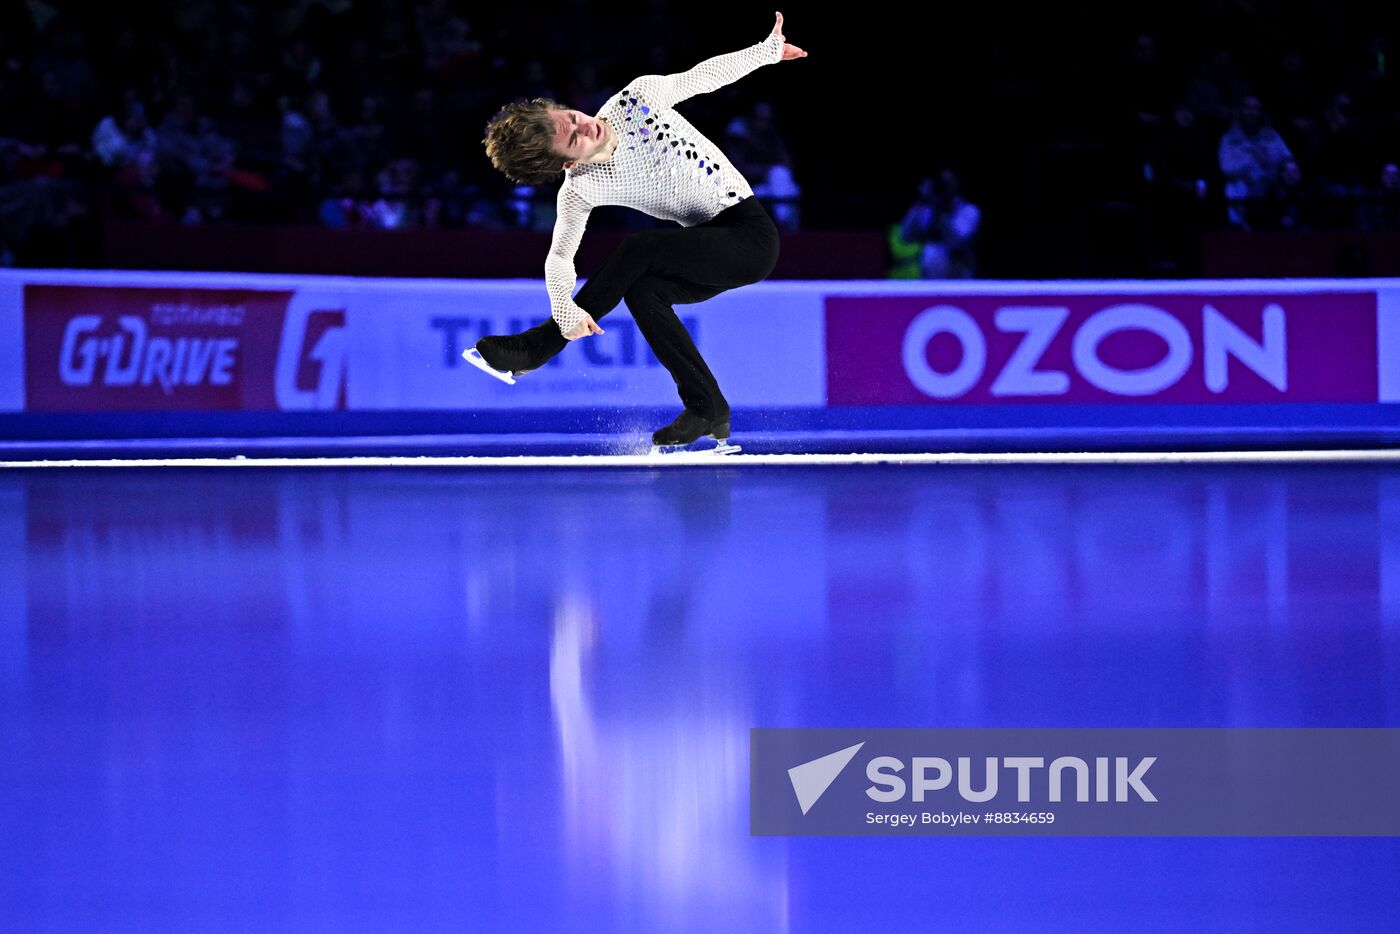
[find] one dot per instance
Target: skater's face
(579, 137)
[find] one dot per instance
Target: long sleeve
(559, 274)
(712, 73)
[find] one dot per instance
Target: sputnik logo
(810, 780)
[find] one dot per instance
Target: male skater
(638, 151)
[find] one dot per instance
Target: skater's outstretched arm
(559, 274)
(713, 73)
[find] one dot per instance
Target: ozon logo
(1038, 326)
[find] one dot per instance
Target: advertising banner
(1102, 348)
(87, 341)
(273, 344)
(106, 348)
(764, 345)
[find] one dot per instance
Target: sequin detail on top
(661, 164)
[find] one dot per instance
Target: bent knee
(638, 241)
(763, 266)
(642, 292)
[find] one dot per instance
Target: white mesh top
(661, 165)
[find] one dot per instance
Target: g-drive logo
(1108, 779)
(132, 356)
(183, 347)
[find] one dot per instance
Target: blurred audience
(368, 113)
(1291, 201)
(752, 140)
(1251, 156)
(945, 226)
(1382, 209)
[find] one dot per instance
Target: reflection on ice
(654, 794)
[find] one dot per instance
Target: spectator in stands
(125, 138)
(54, 128)
(357, 74)
(422, 134)
(758, 151)
(754, 141)
(1290, 200)
(1148, 82)
(780, 191)
(904, 254)
(253, 128)
(1343, 154)
(1373, 85)
(1183, 176)
(1294, 99)
(1382, 209)
(446, 44)
(1147, 87)
(328, 138)
(343, 208)
(1338, 149)
(945, 225)
(401, 205)
(1182, 159)
(535, 81)
(240, 57)
(187, 142)
(300, 65)
(32, 207)
(1251, 156)
(63, 58)
(315, 98)
(586, 89)
(1217, 90)
(368, 139)
(41, 155)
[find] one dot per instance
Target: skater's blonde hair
(520, 140)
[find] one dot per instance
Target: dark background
(1035, 106)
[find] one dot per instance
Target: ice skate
(688, 428)
(473, 356)
(502, 357)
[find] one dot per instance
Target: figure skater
(639, 152)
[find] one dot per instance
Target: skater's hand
(790, 51)
(584, 328)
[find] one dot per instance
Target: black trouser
(655, 269)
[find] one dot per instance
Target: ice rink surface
(440, 698)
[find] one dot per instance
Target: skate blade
(473, 356)
(721, 447)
